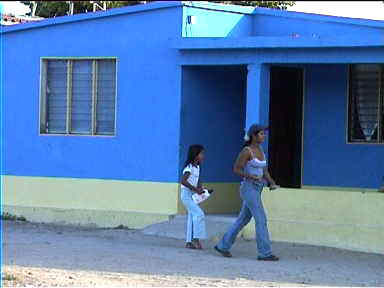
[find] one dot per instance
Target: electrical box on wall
(191, 19)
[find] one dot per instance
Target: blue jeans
(196, 217)
(250, 192)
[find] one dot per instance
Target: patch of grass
(8, 216)
(9, 277)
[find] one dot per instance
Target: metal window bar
(380, 111)
(43, 98)
(69, 96)
(55, 92)
(353, 119)
(106, 97)
(94, 96)
(81, 114)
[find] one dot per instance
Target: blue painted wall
(148, 102)
(2, 114)
(211, 23)
(328, 159)
(213, 114)
(149, 89)
(246, 21)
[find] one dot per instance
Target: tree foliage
(49, 9)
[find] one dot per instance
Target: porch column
(257, 94)
(258, 78)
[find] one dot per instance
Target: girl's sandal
(197, 244)
(189, 245)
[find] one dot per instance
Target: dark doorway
(285, 118)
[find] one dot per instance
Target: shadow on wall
(213, 114)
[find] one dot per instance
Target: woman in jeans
(251, 165)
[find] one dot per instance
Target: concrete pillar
(257, 111)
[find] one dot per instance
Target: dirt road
(47, 255)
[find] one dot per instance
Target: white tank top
(255, 166)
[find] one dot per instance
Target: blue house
(98, 111)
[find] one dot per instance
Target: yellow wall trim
(90, 194)
(105, 203)
(224, 200)
(344, 189)
(87, 218)
(327, 217)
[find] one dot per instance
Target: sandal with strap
(197, 244)
(223, 253)
(189, 245)
(268, 258)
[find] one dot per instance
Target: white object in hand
(198, 198)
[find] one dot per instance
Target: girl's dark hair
(254, 130)
(193, 151)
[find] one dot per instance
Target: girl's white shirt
(193, 178)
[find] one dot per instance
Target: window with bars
(78, 96)
(366, 103)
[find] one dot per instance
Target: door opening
(285, 118)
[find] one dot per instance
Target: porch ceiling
(294, 41)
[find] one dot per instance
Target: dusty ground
(48, 255)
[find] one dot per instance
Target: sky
(14, 7)
(354, 9)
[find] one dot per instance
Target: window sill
(365, 143)
(76, 135)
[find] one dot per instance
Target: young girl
(190, 183)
